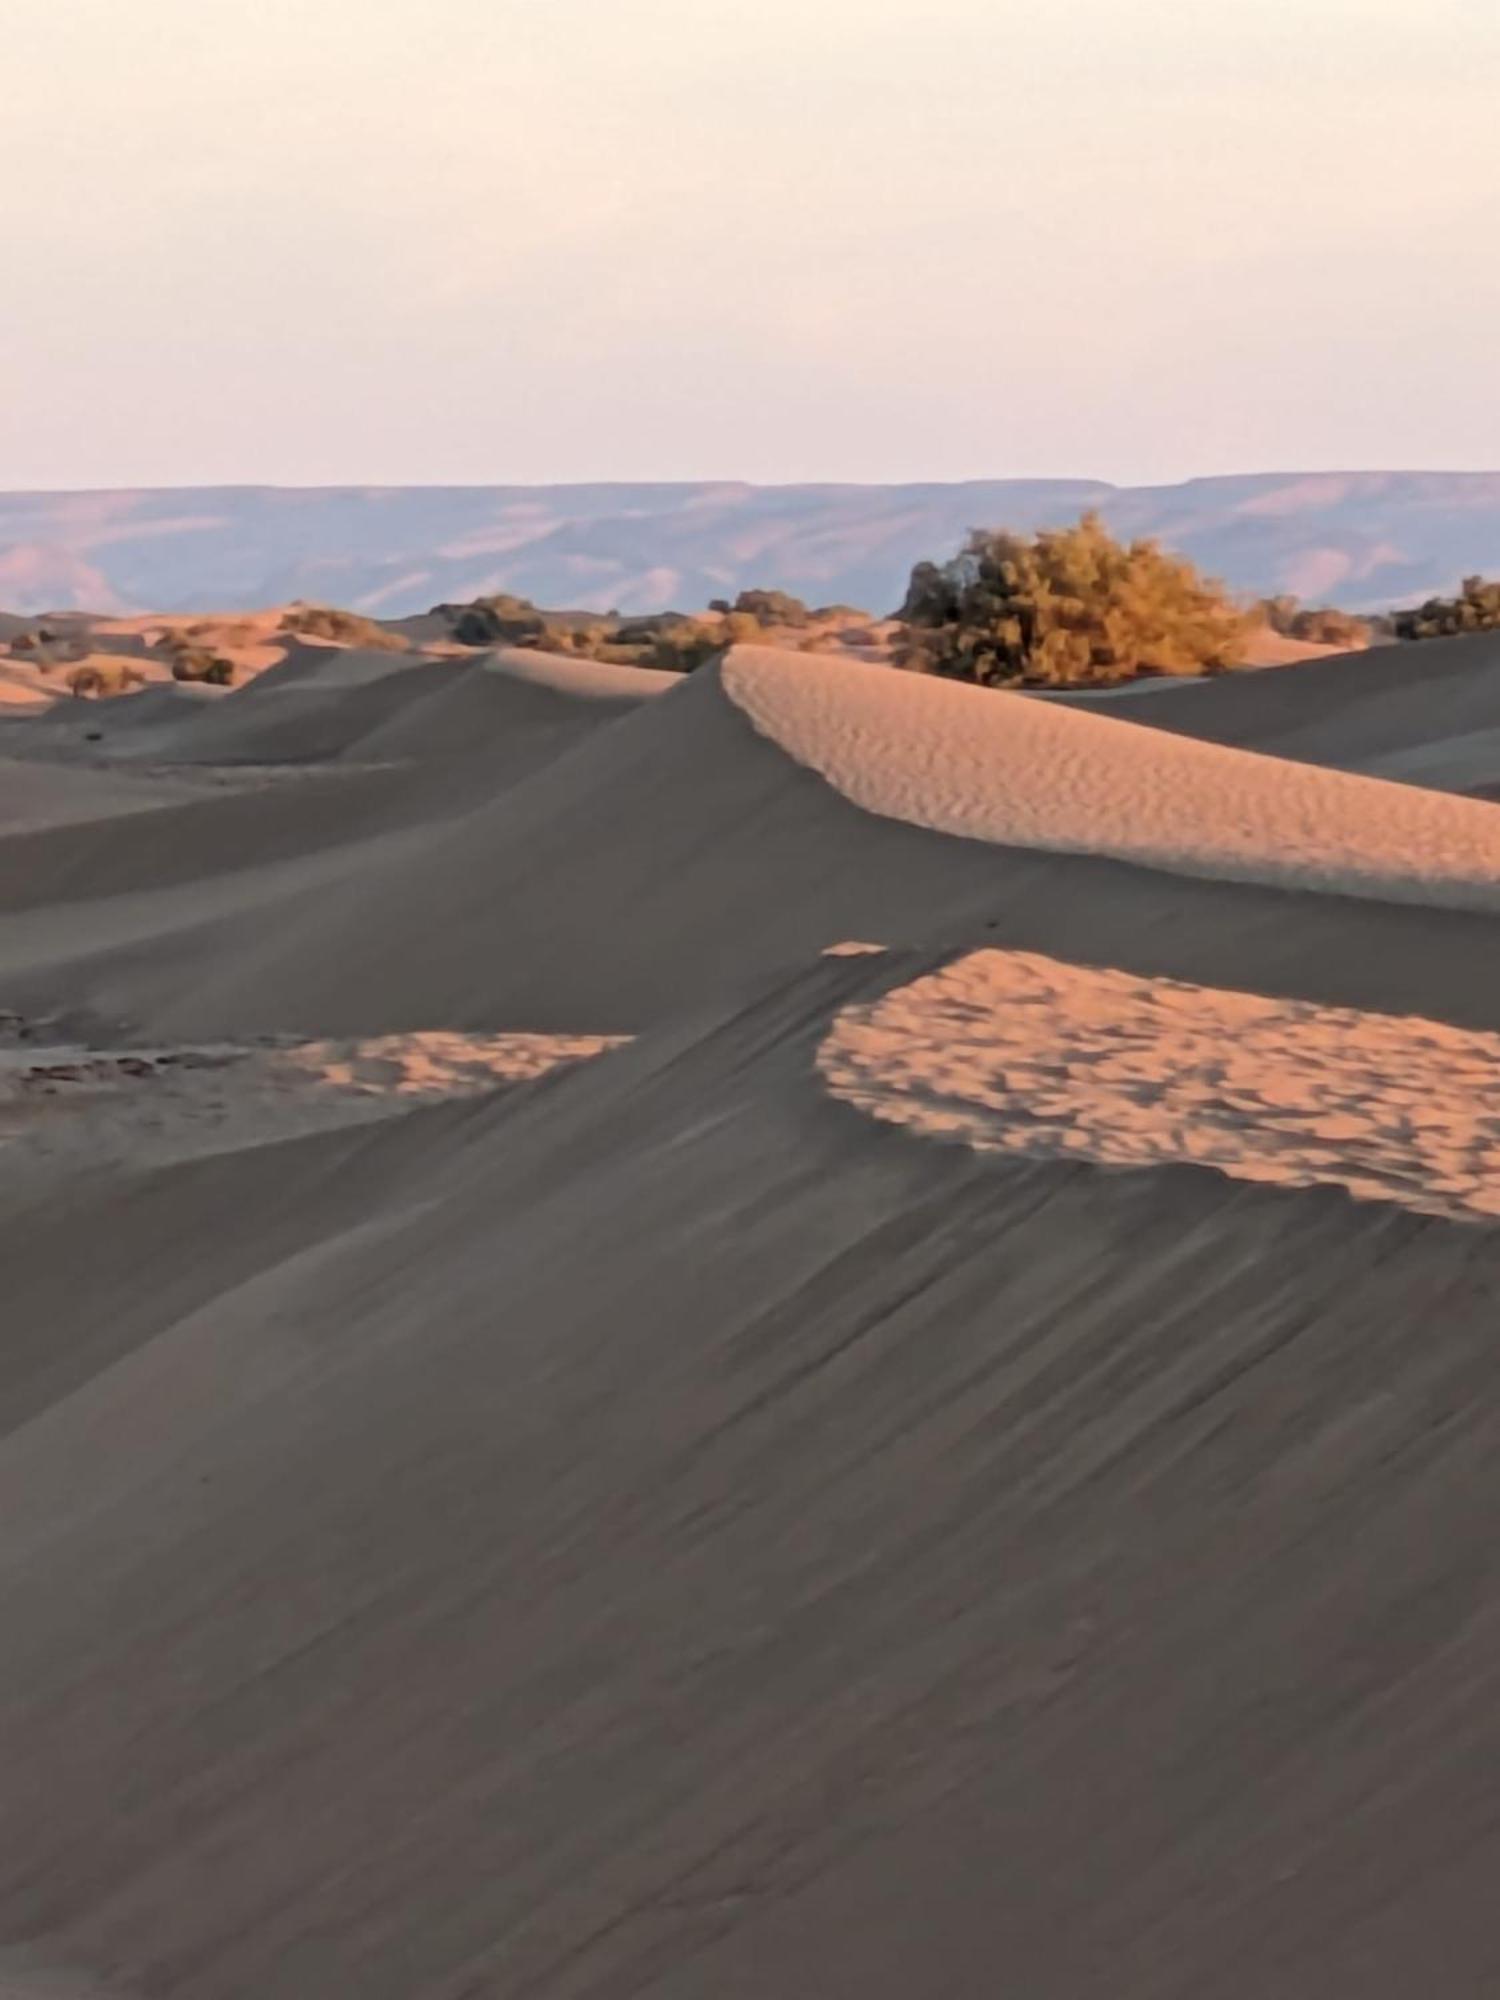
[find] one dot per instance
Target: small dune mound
(496, 704)
(320, 663)
(1022, 772)
(1010, 1052)
(579, 679)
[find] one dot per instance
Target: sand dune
(712, 1610)
(33, 795)
(525, 1469)
(1030, 774)
(1426, 714)
(659, 858)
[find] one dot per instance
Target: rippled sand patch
(1000, 767)
(75, 1106)
(1011, 1052)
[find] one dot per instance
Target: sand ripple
(1006, 768)
(77, 1106)
(1010, 1052)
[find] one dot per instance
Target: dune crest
(1020, 772)
(1011, 1052)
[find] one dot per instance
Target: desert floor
(799, 1332)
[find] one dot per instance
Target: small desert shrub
(1069, 607)
(772, 607)
(200, 663)
(347, 628)
(495, 621)
(1315, 624)
(1475, 609)
(97, 680)
(194, 655)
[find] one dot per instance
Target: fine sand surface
(797, 1333)
(1032, 774)
(1007, 1052)
(1426, 714)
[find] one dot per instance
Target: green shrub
(1475, 609)
(1069, 607)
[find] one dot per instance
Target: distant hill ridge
(1365, 540)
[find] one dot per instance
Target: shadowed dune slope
(1428, 714)
(677, 852)
(453, 739)
(1001, 767)
(815, 1454)
(33, 795)
(869, 1566)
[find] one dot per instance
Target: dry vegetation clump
(345, 628)
(1475, 609)
(1069, 607)
(45, 648)
(772, 608)
(1314, 624)
(675, 641)
(98, 680)
(192, 651)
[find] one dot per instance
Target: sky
(432, 241)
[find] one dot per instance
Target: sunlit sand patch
(993, 766)
(75, 1105)
(1010, 1052)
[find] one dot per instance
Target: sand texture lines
(999, 767)
(1010, 1052)
(72, 1105)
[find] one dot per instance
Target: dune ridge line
(1022, 772)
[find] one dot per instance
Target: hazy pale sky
(474, 240)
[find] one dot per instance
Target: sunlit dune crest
(1021, 772)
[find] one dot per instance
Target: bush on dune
(1475, 609)
(1314, 624)
(676, 641)
(1069, 607)
(772, 607)
(345, 628)
(99, 680)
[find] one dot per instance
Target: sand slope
(669, 855)
(1426, 714)
(868, 1560)
(999, 767)
(1005, 1051)
(524, 1468)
